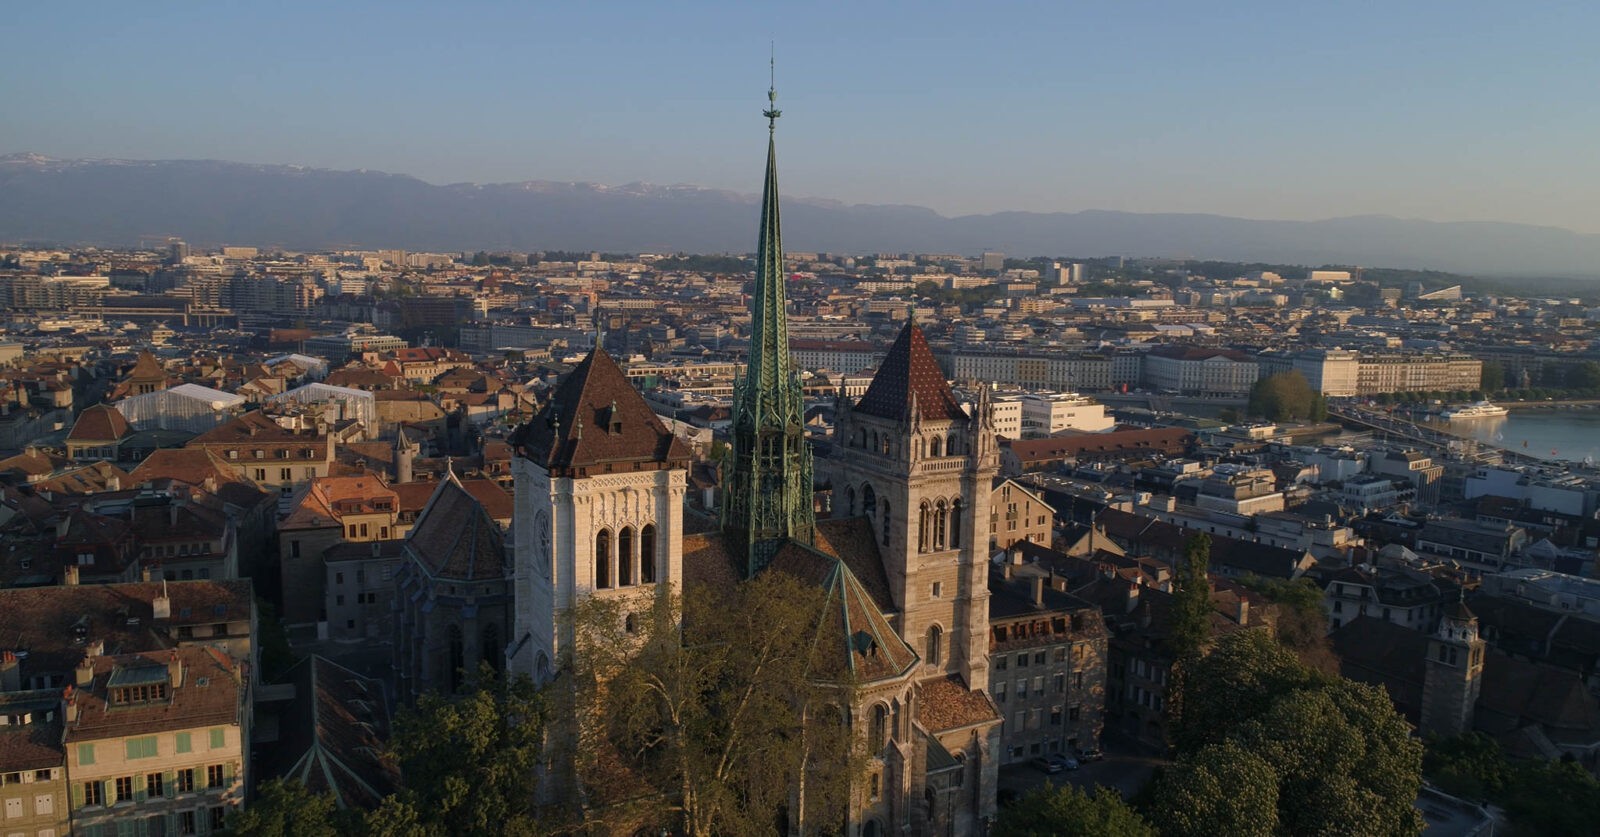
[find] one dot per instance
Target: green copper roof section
(768, 491)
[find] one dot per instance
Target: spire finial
(772, 113)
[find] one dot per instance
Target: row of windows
(1034, 718)
(284, 474)
(153, 785)
(146, 747)
(616, 568)
(1058, 683)
(184, 822)
(44, 804)
(281, 453)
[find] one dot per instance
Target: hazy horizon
(1255, 111)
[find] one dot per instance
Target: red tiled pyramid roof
(910, 368)
(99, 423)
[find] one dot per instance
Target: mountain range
(208, 202)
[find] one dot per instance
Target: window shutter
(227, 775)
(139, 792)
(169, 787)
(77, 795)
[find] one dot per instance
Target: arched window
(625, 556)
(492, 653)
(647, 554)
(955, 523)
(849, 501)
(884, 445)
(884, 518)
(863, 438)
(917, 449)
(630, 623)
(878, 728)
(541, 669)
(874, 440)
(870, 827)
(940, 521)
(935, 646)
(458, 660)
(922, 527)
(602, 559)
(935, 447)
(951, 447)
(869, 500)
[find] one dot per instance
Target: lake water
(1546, 434)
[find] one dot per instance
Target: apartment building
(1196, 371)
(1017, 513)
(33, 775)
(1049, 413)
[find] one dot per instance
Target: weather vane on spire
(772, 113)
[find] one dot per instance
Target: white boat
(1481, 409)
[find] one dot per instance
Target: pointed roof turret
(621, 426)
(909, 376)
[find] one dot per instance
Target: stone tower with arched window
(599, 507)
(911, 460)
(1453, 674)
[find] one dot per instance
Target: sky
(1440, 110)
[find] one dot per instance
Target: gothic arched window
(849, 501)
(647, 554)
(869, 500)
(878, 728)
(940, 521)
(955, 523)
(492, 653)
(935, 646)
(922, 527)
(625, 556)
(935, 447)
(602, 559)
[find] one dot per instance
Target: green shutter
(169, 786)
(184, 743)
(227, 775)
(76, 790)
(139, 792)
(218, 738)
(85, 754)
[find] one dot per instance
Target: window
(1055, 716)
(214, 776)
(285, 474)
(602, 559)
(625, 556)
(935, 645)
(938, 589)
(219, 817)
(999, 693)
(141, 748)
(1073, 713)
(154, 786)
(186, 780)
(186, 823)
(1060, 683)
(94, 793)
(1000, 663)
(878, 732)
(13, 808)
(184, 743)
(124, 789)
(44, 775)
(85, 754)
(873, 787)
(261, 474)
(44, 803)
(219, 738)
(1038, 659)
(1022, 660)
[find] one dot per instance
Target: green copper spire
(767, 496)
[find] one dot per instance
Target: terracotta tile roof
(251, 428)
(90, 479)
(147, 368)
(945, 703)
(910, 370)
(496, 501)
(851, 541)
(1115, 441)
(209, 695)
(195, 466)
(55, 624)
(32, 464)
(99, 423)
(455, 537)
(709, 561)
(37, 744)
(596, 417)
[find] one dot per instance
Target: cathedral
(600, 485)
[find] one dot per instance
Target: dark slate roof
(872, 649)
(1380, 653)
(334, 735)
(455, 538)
(909, 369)
(575, 429)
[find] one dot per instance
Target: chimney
(161, 606)
(144, 572)
(1038, 590)
(174, 670)
(10, 672)
(113, 483)
(1016, 555)
(69, 704)
(69, 575)
(1130, 597)
(84, 675)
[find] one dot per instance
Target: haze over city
(1258, 110)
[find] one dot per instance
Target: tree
(1541, 797)
(1286, 396)
(1191, 601)
(1301, 623)
(1493, 376)
(467, 761)
(1343, 760)
(285, 808)
(720, 703)
(1219, 789)
(1050, 811)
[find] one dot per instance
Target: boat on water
(1480, 409)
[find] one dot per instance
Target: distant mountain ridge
(209, 202)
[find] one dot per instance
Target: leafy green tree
(1493, 376)
(1584, 376)
(1540, 797)
(285, 808)
(398, 816)
(1301, 623)
(1219, 789)
(1051, 811)
(1344, 761)
(727, 705)
(1191, 601)
(1471, 766)
(1286, 396)
(467, 761)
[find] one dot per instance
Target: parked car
(1063, 762)
(1091, 754)
(1048, 765)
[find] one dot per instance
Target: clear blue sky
(1445, 110)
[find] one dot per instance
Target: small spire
(772, 113)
